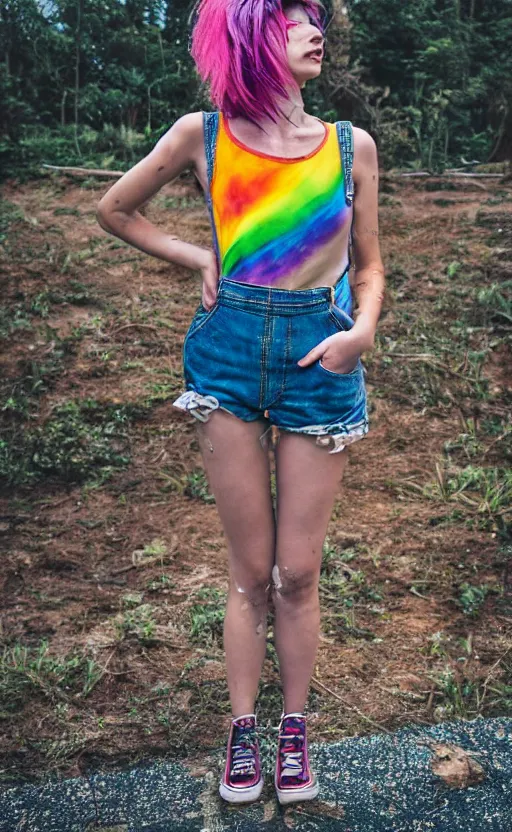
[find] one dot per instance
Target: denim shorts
(241, 356)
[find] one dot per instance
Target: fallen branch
(316, 683)
(90, 171)
(442, 175)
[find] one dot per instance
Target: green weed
(161, 584)
(457, 695)
(485, 493)
(25, 671)
(197, 487)
(342, 589)
(471, 598)
(207, 616)
(494, 304)
(79, 441)
(13, 319)
(65, 211)
(138, 621)
(9, 213)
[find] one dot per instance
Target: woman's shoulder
(185, 135)
(365, 149)
(362, 137)
(191, 124)
(365, 153)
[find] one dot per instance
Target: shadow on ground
(383, 783)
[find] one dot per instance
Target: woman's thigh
(236, 460)
(308, 479)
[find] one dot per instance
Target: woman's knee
(295, 584)
(253, 584)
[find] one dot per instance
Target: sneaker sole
(297, 795)
(246, 795)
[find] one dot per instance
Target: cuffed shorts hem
(201, 406)
(338, 435)
(331, 435)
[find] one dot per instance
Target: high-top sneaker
(294, 779)
(242, 780)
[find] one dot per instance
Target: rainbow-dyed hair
(239, 47)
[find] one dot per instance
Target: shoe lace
(292, 754)
(243, 753)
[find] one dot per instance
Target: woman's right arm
(118, 211)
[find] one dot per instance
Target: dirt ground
(113, 558)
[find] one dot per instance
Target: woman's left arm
(369, 284)
(340, 352)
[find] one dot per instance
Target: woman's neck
(290, 117)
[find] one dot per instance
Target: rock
(456, 767)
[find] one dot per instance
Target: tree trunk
(78, 36)
(63, 108)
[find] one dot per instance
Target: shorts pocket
(341, 320)
(352, 374)
(202, 316)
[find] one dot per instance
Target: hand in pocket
(338, 353)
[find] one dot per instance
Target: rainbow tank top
(277, 221)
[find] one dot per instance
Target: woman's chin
(303, 77)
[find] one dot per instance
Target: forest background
(96, 82)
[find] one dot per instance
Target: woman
(273, 342)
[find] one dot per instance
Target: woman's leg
(308, 478)
(238, 471)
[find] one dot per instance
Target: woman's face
(305, 45)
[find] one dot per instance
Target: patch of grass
(471, 598)
(493, 304)
(79, 295)
(197, 486)
(161, 584)
(9, 213)
(468, 442)
(485, 493)
(13, 319)
(456, 693)
(182, 203)
(193, 484)
(342, 589)
(207, 616)
(27, 671)
(434, 365)
(18, 395)
(65, 211)
(445, 203)
(80, 441)
(138, 620)
(453, 268)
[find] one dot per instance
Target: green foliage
(448, 71)
(207, 616)
(197, 487)
(471, 598)
(9, 213)
(432, 81)
(138, 620)
(27, 670)
(457, 695)
(80, 441)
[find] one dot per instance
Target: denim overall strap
(210, 130)
(346, 145)
(342, 292)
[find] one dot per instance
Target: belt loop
(332, 295)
